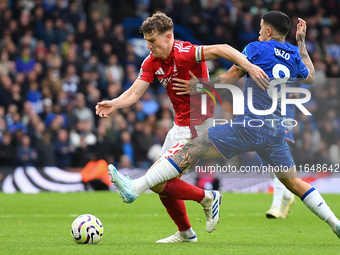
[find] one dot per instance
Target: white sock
(140, 185)
(187, 233)
(287, 194)
(314, 201)
(165, 170)
(208, 198)
(279, 190)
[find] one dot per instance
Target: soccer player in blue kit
(280, 62)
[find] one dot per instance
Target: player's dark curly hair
(158, 22)
(278, 20)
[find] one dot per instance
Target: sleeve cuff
(239, 67)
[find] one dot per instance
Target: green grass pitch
(40, 224)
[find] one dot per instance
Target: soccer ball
(87, 229)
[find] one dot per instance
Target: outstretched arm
(300, 38)
(189, 87)
(129, 97)
(233, 55)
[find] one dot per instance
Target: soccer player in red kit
(170, 59)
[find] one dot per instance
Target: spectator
(28, 40)
(25, 63)
(57, 113)
(114, 71)
(70, 84)
(131, 75)
(86, 51)
(105, 148)
(5, 90)
(83, 154)
(34, 96)
(82, 133)
(73, 15)
(52, 82)
(334, 48)
(127, 145)
(143, 142)
(125, 162)
(17, 123)
(114, 90)
(93, 65)
(82, 33)
(46, 151)
(26, 155)
(41, 48)
(81, 111)
(101, 6)
(7, 150)
(59, 9)
(60, 31)
(39, 22)
(47, 34)
(64, 150)
(150, 106)
(68, 44)
(4, 63)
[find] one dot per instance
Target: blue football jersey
(282, 63)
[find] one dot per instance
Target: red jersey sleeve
(188, 53)
(146, 72)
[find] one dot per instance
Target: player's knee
(158, 188)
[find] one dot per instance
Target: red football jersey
(184, 57)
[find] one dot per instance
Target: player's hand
(301, 30)
(104, 108)
(259, 76)
(185, 87)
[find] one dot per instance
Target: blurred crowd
(58, 58)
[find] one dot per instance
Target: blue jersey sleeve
(251, 52)
(303, 70)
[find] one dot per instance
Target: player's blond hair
(158, 22)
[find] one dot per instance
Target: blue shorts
(231, 141)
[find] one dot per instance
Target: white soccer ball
(87, 228)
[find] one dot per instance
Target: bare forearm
(124, 100)
(227, 52)
(132, 95)
(238, 58)
(306, 59)
(212, 82)
(229, 77)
